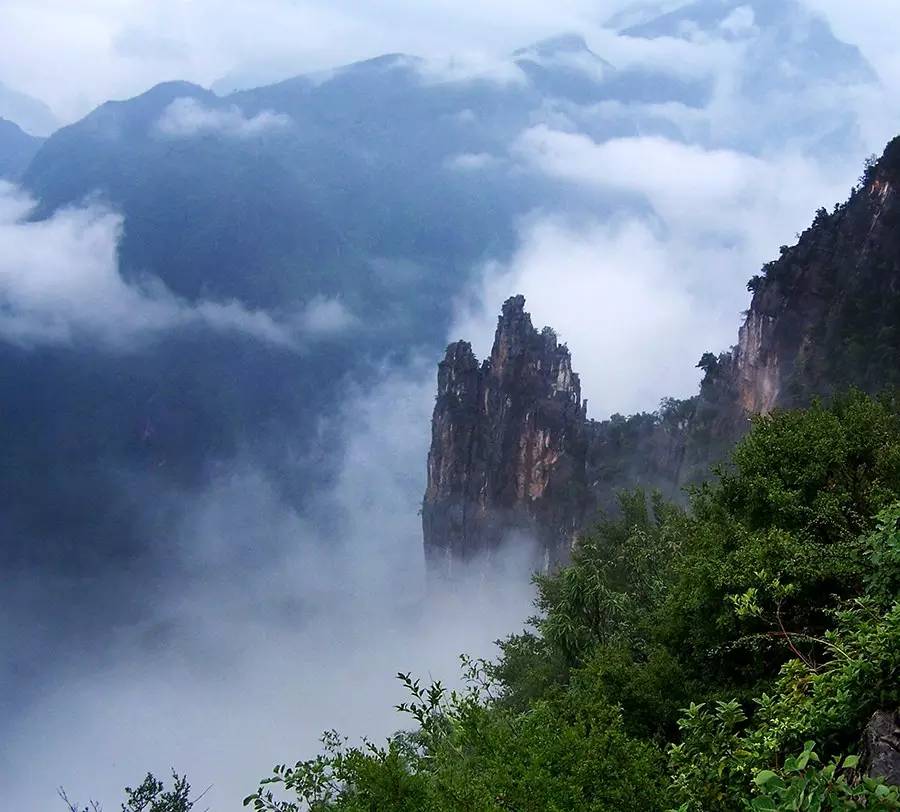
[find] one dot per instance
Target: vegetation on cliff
(723, 654)
(721, 657)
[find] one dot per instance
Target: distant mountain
(17, 148)
(786, 40)
(375, 191)
(781, 62)
(344, 191)
(641, 11)
(565, 67)
(29, 113)
(383, 164)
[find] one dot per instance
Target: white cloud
(472, 161)
(324, 317)
(60, 282)
(741, 22)
(187, 117)
(676, 176)
(670, 56)
(611, 293)
(640, 297)
(469, 66)
(695, 191)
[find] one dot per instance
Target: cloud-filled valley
(269, 627)
(221, 315)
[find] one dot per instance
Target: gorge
(515, 459)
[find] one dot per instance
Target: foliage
(710, 659)
(870, 170)
(801, 785)
(709, 361)
(150, 795)
(721, 748)
(826, 471)
(682, 657)
(883, 547)
(349, 778)
(568, 752)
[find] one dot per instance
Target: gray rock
(881, 747)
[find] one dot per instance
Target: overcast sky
(75, 55)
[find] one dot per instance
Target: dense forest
(724, 656)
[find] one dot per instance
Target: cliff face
(507, 456)
(825, 315)
(514, 460)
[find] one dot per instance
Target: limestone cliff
(514, 459)
(507, 456)
(826, 314)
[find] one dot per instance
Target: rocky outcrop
(881, 747)
(514, 459)
(507, 457)
(826, 314)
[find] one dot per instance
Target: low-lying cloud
(468, 66)
(187, 117)
(271, 626)
(694, 190)
(60, 283)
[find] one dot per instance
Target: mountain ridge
(381, 195)
(17, 149)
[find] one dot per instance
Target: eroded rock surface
(507, 459)
(881, 747)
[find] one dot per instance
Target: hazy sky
(76, 55)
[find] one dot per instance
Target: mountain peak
(719, 15)
(564, 66)
(28, 113)
(570, 43)
(513, 307)
(501, 434)
(513, 455)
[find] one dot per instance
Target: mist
(268, 628)
(651, 289)
(281, 584)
